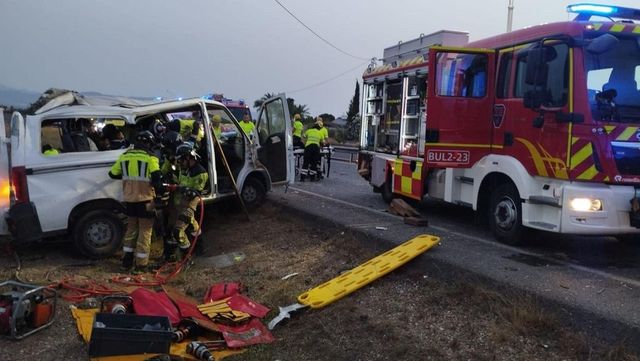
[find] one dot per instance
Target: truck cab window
(557, 91)
(504, 75)
(613, 82)
(461, 75)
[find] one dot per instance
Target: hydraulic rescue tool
(358, 277)
(25, 309)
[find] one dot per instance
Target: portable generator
(25, 309)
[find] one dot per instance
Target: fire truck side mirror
(537, 67)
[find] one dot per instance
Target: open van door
(5, 184)
(275, 139)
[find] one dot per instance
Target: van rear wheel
(98, 233)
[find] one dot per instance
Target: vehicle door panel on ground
(275, 139)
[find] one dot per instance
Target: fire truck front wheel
(505, 214)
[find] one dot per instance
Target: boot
(127, 261)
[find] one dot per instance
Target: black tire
(505, 214)
(253, 193)
(98, 233)
(386, 192)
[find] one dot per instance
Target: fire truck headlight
(586, 204)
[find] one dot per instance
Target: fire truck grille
(627, 156)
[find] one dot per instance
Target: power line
(316, 34)
(327, 80)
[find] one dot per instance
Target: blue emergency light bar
(586, 11)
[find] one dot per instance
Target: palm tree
(258, 103)
(301, 109)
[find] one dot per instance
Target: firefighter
(313, 137)
(141, 179)
(297, 131)
(247, 125)
(215, 126)
(191, 182)
(324, 130)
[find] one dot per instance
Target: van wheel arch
(97, 227)
(254, 190)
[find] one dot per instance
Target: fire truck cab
(538, 128)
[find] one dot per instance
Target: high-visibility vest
(297, 128)
(136, 166)
(50, 152)
(217, 132)
(247, 127)
(313, 136)
(325, 133)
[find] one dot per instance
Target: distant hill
(17, 97)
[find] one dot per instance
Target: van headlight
(586, 204)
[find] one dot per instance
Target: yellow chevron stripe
(609, 128)
(617, 28)
(574, 140)
(628, 133)
(636, 30)
(589, 173)
(597, 26)
(581, 155)
(535, 155)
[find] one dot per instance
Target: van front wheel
(98, 233)
(253, 193)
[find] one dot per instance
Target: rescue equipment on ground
(25, 309)
(358, 277)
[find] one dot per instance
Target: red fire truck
(238, 107)
(537, 128)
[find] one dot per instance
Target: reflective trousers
(182, 216)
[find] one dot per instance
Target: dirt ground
(411, 314)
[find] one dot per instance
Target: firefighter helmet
(186, 150)
(145, 138)
(171, 140)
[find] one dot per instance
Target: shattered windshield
(613, 81)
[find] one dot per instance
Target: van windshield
(613, 81)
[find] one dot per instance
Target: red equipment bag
(222, 290)
(150, 303)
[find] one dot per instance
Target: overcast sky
(241, 48)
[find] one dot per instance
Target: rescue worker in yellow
(215, 126)
(190, 129)
(313, 138)
(247, 125)
(324, 130)
(139, 170)
(191, 182)
(48, 150)
(297, 131)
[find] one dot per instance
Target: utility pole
(510, 16)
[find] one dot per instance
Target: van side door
(275, 139)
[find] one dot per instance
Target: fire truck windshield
(239, 112)
(613, 81)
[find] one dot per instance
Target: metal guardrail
(345, 154)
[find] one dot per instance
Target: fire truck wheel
(505, 214)
(386, 192)
(98, 233)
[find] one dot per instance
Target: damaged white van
(54, 173)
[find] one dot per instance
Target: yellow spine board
(367, 272)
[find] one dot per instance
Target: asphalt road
(597, 275)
